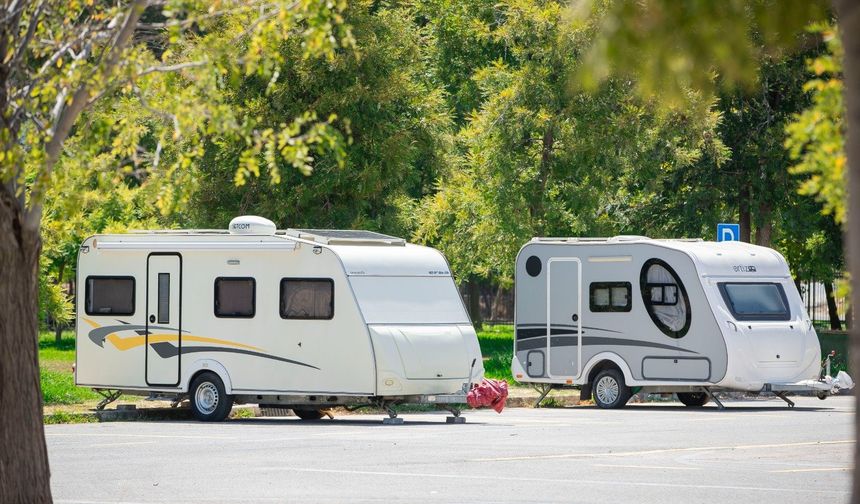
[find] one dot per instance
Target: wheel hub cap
(607, 390)
(207, 398)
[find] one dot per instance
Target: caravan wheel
(308, 414)
(209, 400)
(610, 391)
(693, 399)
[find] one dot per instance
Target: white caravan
(305, 319)
(684, 316)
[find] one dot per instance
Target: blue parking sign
(728, 232)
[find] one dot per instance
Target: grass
(55, 371)
(62, 417)
(497, 344)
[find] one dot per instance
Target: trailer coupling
(822, 387)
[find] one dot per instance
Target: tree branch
(70, 114)
(21, 50)
(172, 68)
(209, 15)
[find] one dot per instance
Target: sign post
(728, 232)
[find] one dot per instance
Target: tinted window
(164, 298)
(756, 301)
(303, 298)
(109, 296)
(610, 296)
(235, 297)
(665, 298)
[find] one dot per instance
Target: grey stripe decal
(574, 326)
(99, 334)
(166, 350)
(533, 343)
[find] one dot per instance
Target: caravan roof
(715, 259)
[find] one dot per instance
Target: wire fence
(814, 296)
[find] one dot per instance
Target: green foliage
(398, 132)
(670, 46)
(816, 137)
(162, 75)
(62, 417)
(538, 159)
(59, 388)
(55, 372)
(749, 53)
(497, 344)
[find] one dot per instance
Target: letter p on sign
(728, 232)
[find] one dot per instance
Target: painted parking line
(129, 443)
(660, 451)
(660, 468)
(571, 481)
(115, 435)
(816, 469)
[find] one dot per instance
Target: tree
(816, 137)
(58, 63)
(399, 132)
(673, 44)
(536, 159)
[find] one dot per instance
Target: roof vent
(252, 225)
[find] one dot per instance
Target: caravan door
(163, 319)
(564, 317)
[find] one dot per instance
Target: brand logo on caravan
(252, 225)
(744, 269)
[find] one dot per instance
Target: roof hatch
(345, 237)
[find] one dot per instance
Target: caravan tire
(308, 414)
(693, 399)
(609, 389)
(209, 401)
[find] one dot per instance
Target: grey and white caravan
(304, 319)
(686, 316)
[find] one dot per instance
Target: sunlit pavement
(755, 451)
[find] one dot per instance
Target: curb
(128, 412)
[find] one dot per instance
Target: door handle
(152, 319)
(575, 317)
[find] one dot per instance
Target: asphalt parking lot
(757, 451)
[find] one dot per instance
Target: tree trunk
(835, 323)
(744, 215)
(475, 304)
(537, 206)
(764, 230)
(24, 473)
(848, 15)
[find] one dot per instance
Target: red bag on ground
(492, 393)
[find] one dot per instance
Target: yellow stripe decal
(124, 344)
(91, 322)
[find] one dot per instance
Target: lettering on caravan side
(744, 269)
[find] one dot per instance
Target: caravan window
(755, 301)
(610, 296)
(307, 298)
(409, 300)
(665, 298)
(235, 297)
(109, 295)
(664, 294)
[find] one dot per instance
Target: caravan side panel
(697, 356)
(109, 346)
(261, 351)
